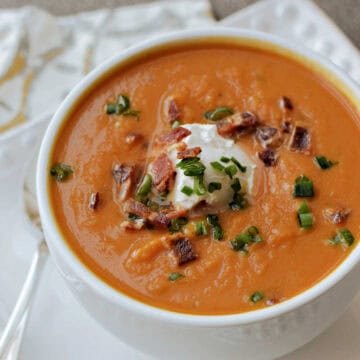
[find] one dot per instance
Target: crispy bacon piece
(237, 124)
(171, 110)
(162, 171)
(286, 104)
(124, 176)
(189, 153)
(132, 206)
(94, 200)
(160, 220)
(268, 136)
(268, 157)
(183, 250)
(173, 137)
(300, 140)
(336, 215)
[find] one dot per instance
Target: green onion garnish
(305, 217)
(192, 166)
(217, 166)
(177, 224)
(61, 171)
(174, 276)
(145, 186)
(112, 108)
(224, 159)
(175, 124)
(237, 163)
(343, 237)
(200, 228)
(133, 217)
(219, 113)
(323, 162)
(256, 296)
(213, 186)
(230, 170)
(199, 186)
(238, 202)
(216, 229)
(187, 190)
(236, 186)
(124, 102)
(303, 187)
(243, 240)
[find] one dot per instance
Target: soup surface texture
(209, 214)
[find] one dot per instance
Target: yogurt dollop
(213, 147)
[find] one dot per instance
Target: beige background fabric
(346, 13)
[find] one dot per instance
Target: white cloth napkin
(42, 57)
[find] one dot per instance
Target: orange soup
(209, 178)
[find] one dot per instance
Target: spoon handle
(20, 311)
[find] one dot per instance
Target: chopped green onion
(145, 186)
(236, 186)
(112, 108)
(216, 229)
(218, 113)
(61, 171)
(184, 163)
(243, 240)
(175, 124)
(305, 217)
(303, 187)
(133, 113)
(238, 202)
(230, 170)
(306, 220)
(217, 166)
(224, 159)
(124, 102)
(177, 224)
(200, 228)
(199, 186)
(192, 166)
(187, 190)
(237, 163)
(343, 237)
(213, 186)
(256, 296)
(175, 276)
(323, 162)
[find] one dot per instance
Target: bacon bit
(162, 172)
(160, 221)
(183, 250)
(172, 111)
(136, 224)
(189, 153)
(268, 136)
(300, 140)
(268, 157)
(237, 124)
(132, 206)
(173, 214)
(336, 216)
(272, 301)
(94, 201)
(173, 137)
(286, 104)
(133, 137)
(286, 127)
(122, 172)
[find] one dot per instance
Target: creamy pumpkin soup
(209, 179)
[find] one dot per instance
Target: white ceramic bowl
(260, 334)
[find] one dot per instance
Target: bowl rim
(57, 241)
